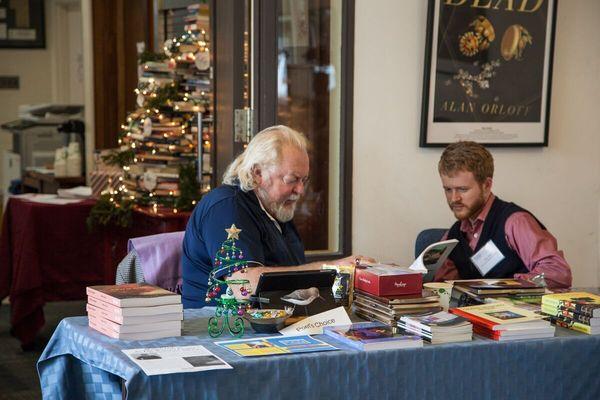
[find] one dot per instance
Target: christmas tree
(159, 149)
(229, 259)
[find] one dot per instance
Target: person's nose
(454, 196)
(299, 187)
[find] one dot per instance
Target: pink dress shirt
(536, 247)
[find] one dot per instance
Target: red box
(388, 280)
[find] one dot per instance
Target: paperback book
(119, 312)
(133, 295)
(583, 303)
(498, 287)
(372, 336)
(499, 315)
(433, 256)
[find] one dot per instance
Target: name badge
(487, 258)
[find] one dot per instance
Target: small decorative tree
(229, 259)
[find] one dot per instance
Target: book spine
(474, 319)
(100, 328)
(570, 314)
(570, 324)
(96, 311)
(110, 308)
(102, 296)
(590, 310)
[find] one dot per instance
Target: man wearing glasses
(260, 192)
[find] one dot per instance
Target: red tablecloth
(47, 254)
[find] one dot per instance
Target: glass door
(302, 78)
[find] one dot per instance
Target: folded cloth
(160, 258)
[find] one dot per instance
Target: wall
(35, 84)
(396, 188)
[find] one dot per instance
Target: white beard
(279, 211)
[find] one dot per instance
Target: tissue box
(388, 280)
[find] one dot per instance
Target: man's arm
(538, 250)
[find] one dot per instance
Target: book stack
(504, 322)
(439, 327)
(136, 311)
(372, 336)
(476, 291)
(579, 311)
(389, 309)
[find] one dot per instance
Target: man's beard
(280, 211)
(468, 212)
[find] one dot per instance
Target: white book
(433, 256)
(136, 311)
(133, 320)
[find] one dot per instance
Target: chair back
(154, 259)
(424, 239)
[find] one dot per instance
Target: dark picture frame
(22, 24)
(488, 72)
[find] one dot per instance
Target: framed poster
(22, 24)
(488, 70)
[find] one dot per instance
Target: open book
(433, 256)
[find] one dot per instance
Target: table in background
(83, 363)
(47, 254)
(48, 183)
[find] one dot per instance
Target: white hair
(263, 151)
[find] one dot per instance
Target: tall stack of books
(389, 309)
(504, 322)
(579, 311)
(439, 327)
(136, 311)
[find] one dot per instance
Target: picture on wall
(22, 24)
(488, 70)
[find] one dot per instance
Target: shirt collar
(471, 225)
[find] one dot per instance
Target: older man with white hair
(260, 191)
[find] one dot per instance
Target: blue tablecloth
(80, 363)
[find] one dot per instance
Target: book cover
(135, 311)
(388, 280)
(132, 320)
(275, 345)
(433, 256)
(133, 295)
(371, 336)
(496, 315)
(580, 302)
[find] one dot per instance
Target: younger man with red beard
(497, 239)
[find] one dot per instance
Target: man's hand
(352, 260)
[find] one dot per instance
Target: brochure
(433, 256)
(175, 359)
(275, 345)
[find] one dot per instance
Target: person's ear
(257, 174)
(487, 185)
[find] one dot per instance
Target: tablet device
(272, 286)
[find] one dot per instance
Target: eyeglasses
(291, 180)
